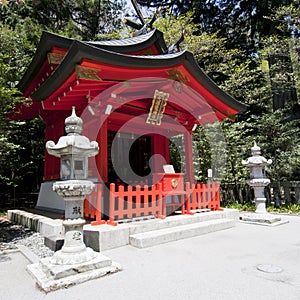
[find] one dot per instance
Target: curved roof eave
(211, 86)
(48, 40)
(80, 50)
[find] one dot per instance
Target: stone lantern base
(50, 277)
(74, 263)
(265, 219)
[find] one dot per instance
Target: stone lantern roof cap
(255, 150)
(73, 143)
(73, 123)
(256, 159)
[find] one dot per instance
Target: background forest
(249, 48)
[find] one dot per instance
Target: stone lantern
(258, 180)
(75, 262)
(73, 151)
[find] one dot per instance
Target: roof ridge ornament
(145, 27)
(176, 46)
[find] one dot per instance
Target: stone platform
(158, 231)
(139, 233)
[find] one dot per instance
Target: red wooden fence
(93, 205)
(131, 202)
(203, 196)
(134, 202)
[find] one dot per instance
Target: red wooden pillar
(102, 157)
(161, 147)
(54, 130)
(189, 157)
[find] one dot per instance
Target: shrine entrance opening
(128, 158)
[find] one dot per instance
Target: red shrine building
(133, 96)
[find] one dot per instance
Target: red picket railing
(134, 202)
(201, 196)
(93, 205)
(131, 202)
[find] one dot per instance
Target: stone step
(180, 220)
(161, 236)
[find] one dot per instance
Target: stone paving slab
(218, 266)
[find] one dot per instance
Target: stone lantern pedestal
(74, 250)
(75, 262)
(259, 181)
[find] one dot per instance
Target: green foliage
(202, 154)
(20, 157)
(176, 153)
(281, 59)
(86, 20)
(172, 27)
(250, 207)
(237, 145)
(287, 209)
(280, 140)
(234, 44)
(287, 18)
(277, 136)
(81, 19)
(13, 12)
(15, 54)
(21, 154)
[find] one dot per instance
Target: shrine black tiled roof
(81, 50)
(134, 42)
(127, 45)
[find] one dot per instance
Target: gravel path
(12, 235)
